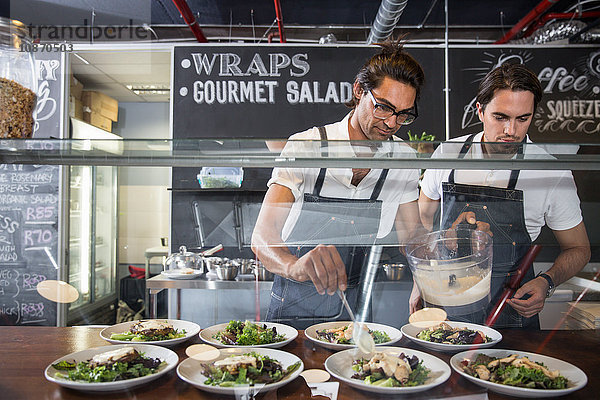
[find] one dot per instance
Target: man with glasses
(316, 225)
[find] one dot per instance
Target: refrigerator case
(92, 255)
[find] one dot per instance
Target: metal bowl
(227, 272)
(394, 272)
(245, 265)
(212, 262)
(262, 273)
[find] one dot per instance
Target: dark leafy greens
(138, 337)
(444, 333)
(119, 371)
(515, 371)
(340, 335)
(248, 369)
(386, 370)
(247, 333)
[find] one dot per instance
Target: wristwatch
(551, 285)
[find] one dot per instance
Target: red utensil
(514, 283)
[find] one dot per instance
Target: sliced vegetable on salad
(514, 371)
(246, 369)
(390, 370)
(444, 333)
(148, 331)
(343, 335)
(115, 365)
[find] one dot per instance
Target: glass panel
(80, 202)
(105, 228)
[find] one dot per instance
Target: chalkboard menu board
(570, 76)
(28, 242)
(29, 209)
(276, 91)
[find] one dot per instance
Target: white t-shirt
(549, 196)
(400, 184)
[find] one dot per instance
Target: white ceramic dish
(149, 351)
(339, 365)
(577, 378)
(189, 370)
(311, 334)
(191, 330)
(411, 331)
(289, 333)
(174, 274)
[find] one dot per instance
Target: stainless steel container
(262, 273)
(394, 272)
(227, 272)
(245, 265)
(212, 263)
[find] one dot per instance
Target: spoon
(362, 337)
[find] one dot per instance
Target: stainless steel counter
(158, 283)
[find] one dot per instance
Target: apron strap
(463, 151)
(322, 171)
(514, 174)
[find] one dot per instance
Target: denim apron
(503, 210)
(349, 224)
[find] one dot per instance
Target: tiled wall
(144, 214)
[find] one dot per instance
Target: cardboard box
(76, 89)
(99, 121)
(101, 104)
(75, 108)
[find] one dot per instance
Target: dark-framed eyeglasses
(383, 111)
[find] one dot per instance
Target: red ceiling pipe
(189, 19)
(279, 21)
(550, 16)
(526, 20)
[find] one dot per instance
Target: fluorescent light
(81, 58)
(144, 89)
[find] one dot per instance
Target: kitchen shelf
(255, 153)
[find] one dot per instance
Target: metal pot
(394, 272)
(261, 273)
(227, 271)
(184, 259)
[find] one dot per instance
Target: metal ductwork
(561, 30)
(387, 17)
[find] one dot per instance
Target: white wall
(144, 210)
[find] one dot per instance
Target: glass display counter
(254, 154)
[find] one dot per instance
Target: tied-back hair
(391, 61)
(511, 76)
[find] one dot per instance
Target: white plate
(191, 330)
(178, 275)
(311, 334)
(149, 351)
(577, 378)
(189, 370)
(289, 333)
(340, 366)
(411, 331)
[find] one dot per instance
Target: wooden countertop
(25, 352)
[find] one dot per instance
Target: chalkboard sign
(570, 76)
(28, 242)
(29, 209)
(276, 91)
